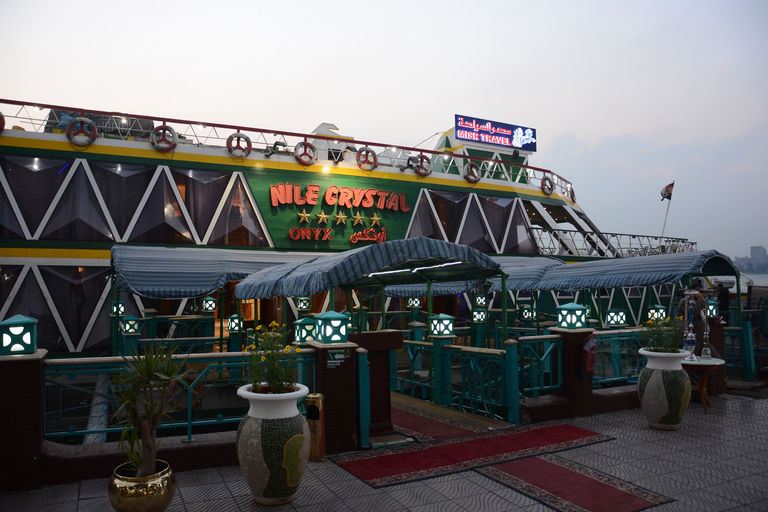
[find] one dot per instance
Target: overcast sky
(625, 96)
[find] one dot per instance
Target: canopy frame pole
(383, 307)
(504, 295)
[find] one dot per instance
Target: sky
(625, 97)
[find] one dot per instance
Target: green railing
(413, 373)
(540, 364)
(616, 357)
(739, 350)
(71, 394)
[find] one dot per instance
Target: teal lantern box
(332, 327)
(616, 317)
(209, 304)
(19, 335)
(441, 325)
(572, 316)
(306, 330)
(657, 313)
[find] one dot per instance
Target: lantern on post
(441, 325)
(616, 317)
(130, 334)
(306, 329)
(302, 306)
(19, 335)
(209, 305)
(332, 327)
(527, 313)
(657, 313)
(235, 327)
(118, 308)
(414, 304)
(572, 316)
(712, 308)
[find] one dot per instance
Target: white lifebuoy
(305, 153)
(420, 165)
(472, 172)
(161, 142)
(83, 136)
(367, 159)
(237, 150)
(2, 122)
(546, 185)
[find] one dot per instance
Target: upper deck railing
(39, 117)
(565, 242)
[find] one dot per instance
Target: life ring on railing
(546, 185)
(83, 136)
(174, 393)
(239, 151)
(305, 153)
(2, 122)
(472, 172)
(367, 159)
(161, 142)
(420, 165)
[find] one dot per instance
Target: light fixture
(616, 316)
(527, 312)
(572, 316)
(19, 335)
(209, 304)
(118, 308)
(131, 325)
(441, 325)
(306, 330)
(302, 303)
(481, 300)
(657, 313)
(414, 302)
(479, 315)
(235, 323)
(332, 327)
(712, 308)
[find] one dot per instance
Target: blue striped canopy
(628, 272)
(438, 289)
(186, 272)
(397, 262)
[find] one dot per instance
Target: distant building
(758, 255)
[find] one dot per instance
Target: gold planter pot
(151, 493)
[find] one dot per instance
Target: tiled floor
(715, 462)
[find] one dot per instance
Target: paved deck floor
(715, 462)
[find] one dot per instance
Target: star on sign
(303, 216)
(322, 217)
(375, 220)
(341, 218)
(358, 219)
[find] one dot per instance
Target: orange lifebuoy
(239, 151)
(83, 136)
(367, 159)
(472, 172)
(305, 153)
(546, 185)
(162, 142)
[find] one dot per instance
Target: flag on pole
(666, 192)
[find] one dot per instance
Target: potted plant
(273, 438)
(663, 386)
(144, 482)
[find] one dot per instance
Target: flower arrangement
(662, 335)
(272, 362)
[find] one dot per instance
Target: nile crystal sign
(335, 197)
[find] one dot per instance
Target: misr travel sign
(511, 136)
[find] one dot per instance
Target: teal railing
(540, 364)
(739, 350)
(616, 357)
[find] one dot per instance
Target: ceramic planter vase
(664, 389)
(273, 444)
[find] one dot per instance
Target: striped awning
(186, 272)
(629, 272)
(398, 262)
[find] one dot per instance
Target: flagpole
(665, 219)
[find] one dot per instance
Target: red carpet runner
(397, 465)
(570, 487)
(424, 426)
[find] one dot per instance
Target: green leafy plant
(272, 361)
(662, 335)
(143, 390)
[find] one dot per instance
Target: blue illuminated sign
(498, 134)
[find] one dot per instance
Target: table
(703, 366)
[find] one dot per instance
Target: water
(758, 279)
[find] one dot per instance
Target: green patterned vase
(664, 389)
(273, 445)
